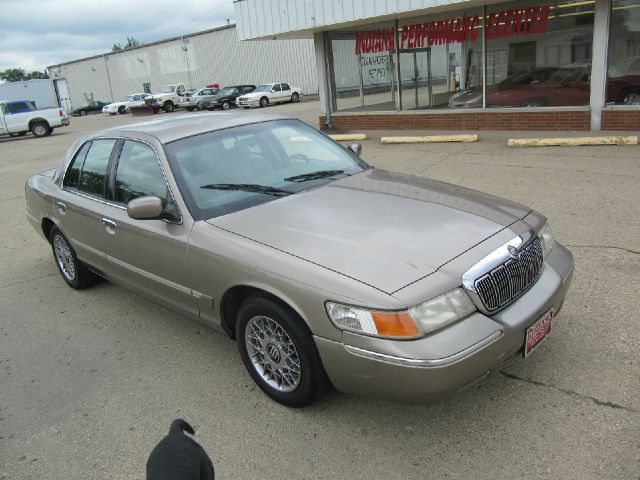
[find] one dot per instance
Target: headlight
(406, 324)
(546, 237)
(442, 310)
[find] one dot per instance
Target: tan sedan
(324, 269)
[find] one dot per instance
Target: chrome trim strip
(146, 274)
(425, 363)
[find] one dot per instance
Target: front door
(415, 79)
(146, 255)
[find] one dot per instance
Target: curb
(431, 139)
(572, 142)
(345, 137)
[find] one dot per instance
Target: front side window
(623, 86)
(276, 88)
(94, 168)
(138, 173)
(224, 171)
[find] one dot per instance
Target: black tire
(168, 106)
(83, 113)
(73, 271)
(534, 103)
(631, 97)
(264, 101)
(199, 106)
(122, 110)
(299, 389)
(295, 97)
(226, 105)
(40, 129)
(17, 134)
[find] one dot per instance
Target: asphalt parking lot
(89, 381)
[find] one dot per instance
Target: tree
(37, 75)
(13, 75)
(131, 43)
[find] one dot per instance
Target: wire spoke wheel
(64, 258)
(273, 354)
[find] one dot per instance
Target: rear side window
(285, 87)
(94, 168)
(19, 107)
(72, 178)
(139, 173)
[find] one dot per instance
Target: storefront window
(364, 68)
(441, 57)
(624, 53)
(538, 54)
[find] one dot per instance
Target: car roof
(176, 127)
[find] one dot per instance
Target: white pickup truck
(17, 118)
(167, 99)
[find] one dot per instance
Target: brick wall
(620, 120)
(482, 120)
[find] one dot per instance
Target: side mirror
(145, 208)
(355, 148)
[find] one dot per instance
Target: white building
(465, 64)
(199, 59)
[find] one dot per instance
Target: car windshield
(168, 89)
(263, 88)
(224, 171)
(128, 98)
(226, 91)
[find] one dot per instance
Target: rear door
(78, 205)
(146, 255)
(285, 94)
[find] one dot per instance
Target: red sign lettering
(501, 24)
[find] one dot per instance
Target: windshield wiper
(247, 187)
(314, 175)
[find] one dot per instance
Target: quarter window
(139, 174)
(94, 168)
(72, 179)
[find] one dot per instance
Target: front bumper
(439, 365)
(248, 103)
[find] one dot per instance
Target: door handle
(62, 207)
(109, 223)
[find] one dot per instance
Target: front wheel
(168, 107)
(74, 272)
(226, 105)
(264, 101)
(278, 351)
(83, 113)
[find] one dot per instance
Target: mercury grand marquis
(325, 270)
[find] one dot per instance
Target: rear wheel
(295, 97)
(264, 101)
(74, 272)
(279, 352)
(17, 134)
(631, 98)
(534, 102)
(40, 129)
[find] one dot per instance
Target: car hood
(384, 229)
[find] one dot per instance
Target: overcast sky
(37, 33)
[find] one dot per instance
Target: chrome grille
(510, 279)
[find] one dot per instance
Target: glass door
(415, 79)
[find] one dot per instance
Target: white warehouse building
(213, 56)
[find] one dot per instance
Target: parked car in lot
(268, 93)
(17, 118)
(322, 268)
(198, 98)
(123, 106)
(167, 99)
(91, 107)
(226, 98)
